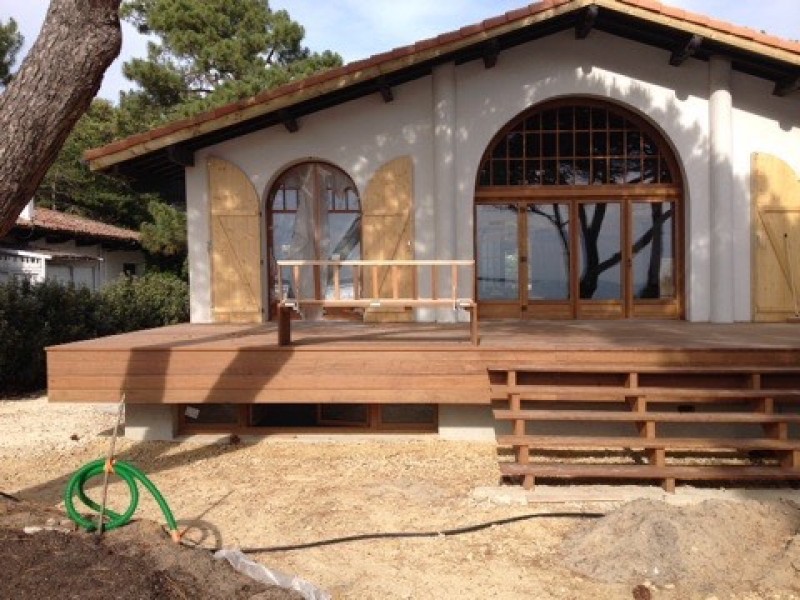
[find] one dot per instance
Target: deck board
(410, 362)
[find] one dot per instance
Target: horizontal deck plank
(326, 354)
(610, 443)
(270, 396)
(656, 369)
(609, 393)
(278, 381)
(680, 472)
(611, 416)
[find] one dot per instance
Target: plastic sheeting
(258, 572)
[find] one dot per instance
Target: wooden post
(284, 325)
(473, 324)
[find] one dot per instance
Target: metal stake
(106, 471)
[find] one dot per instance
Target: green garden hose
(130, 475)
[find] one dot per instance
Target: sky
(359, 28)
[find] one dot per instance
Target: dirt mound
(714, 546)
(137, 562)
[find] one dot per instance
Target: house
(622, 174)
(47, 244)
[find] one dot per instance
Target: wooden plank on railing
(296, 276)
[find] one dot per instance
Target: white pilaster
(444, 170)
(721, 189)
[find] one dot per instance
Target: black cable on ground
(421, 534)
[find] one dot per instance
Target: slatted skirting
(657, 423)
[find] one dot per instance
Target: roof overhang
(159, 157)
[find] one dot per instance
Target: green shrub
(34, 316)
(153, 300)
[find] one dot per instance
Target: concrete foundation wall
(470, 423)
(150, 422)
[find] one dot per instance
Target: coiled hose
(130, 475)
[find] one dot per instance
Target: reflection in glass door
(600, 285)
(653, 273)
(548, 252)
(498, 257)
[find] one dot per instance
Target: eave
(159, 157)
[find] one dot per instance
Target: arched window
(314, 213)
(579, 214)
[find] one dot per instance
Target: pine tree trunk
(53, 88)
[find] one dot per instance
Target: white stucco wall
(445, 122)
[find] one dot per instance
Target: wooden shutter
(388, 233)
(776, 245)
(236, 294)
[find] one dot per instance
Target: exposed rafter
(385, 89)
(288, 121)
(181, 155)
(685, 50)
(787, 85)
(491, 50)
(586, 20)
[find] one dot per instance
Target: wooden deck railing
(371, 284)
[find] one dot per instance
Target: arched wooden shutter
(776, 225)
(236, 295)
(388, 232)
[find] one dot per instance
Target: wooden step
(686, 473)
(612, 443)
(634, 417)
(616, 368)
(599, 393)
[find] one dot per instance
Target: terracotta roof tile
(464, 33)
(56, 221)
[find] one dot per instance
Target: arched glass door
(314, 213)
(578, 215)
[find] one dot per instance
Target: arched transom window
(579, 215)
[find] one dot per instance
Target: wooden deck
(657, 392)
(335, 362)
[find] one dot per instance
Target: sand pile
(715, 546)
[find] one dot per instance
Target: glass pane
(582, 144)
(653, 259)
(533, 145)
(516, 148)
(516, 172)
(499, 172)
(345, 243)
(548, 252)
(498, 257)
(566, 146)
(600, 256)
(483, 177)
(282, 229)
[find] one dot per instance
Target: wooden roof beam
(385, 89)
(491, 50)
(291, 124)
(586, 21)
(787, 85)
(685, 50)
(181, 156)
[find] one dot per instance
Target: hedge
(36, 315)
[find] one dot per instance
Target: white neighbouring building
(46, 244)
